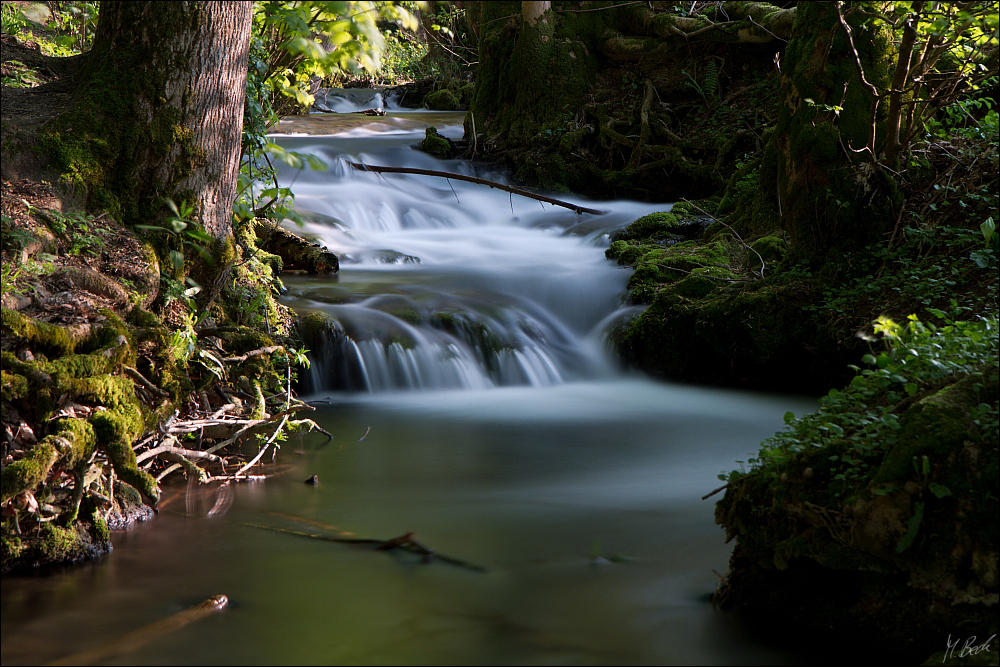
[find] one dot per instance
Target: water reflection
(531, 467)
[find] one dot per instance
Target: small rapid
(446, 284)
(467, 383)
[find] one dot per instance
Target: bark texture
(831, 195)
(159, 105)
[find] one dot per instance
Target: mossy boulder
(652, 226)
(701, 327)
(442, 100)
(54, 544)
(436, 145)
(900, 552)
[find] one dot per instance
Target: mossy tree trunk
(831, 194)
(158, 110)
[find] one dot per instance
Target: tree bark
(164, 84)
(831, 193)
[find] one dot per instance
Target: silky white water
(473, 399)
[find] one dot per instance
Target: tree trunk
(831, 192)
(158, 110)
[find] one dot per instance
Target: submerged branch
(136, 639)
(404, 542)
(481, 181)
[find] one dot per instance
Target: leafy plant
(8, 279)
(858, 424)
(181, 226)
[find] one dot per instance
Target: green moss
(442, 100)
(408, 315)
(51, 338)
(245, 339)
(935, 425)
(652, 226)
(12, 386)
(436, 145)
(30, 471)
(116, 430)
(260, 405)
(80, 434)
(58, 544)
(772, 249)
(472, 331)
(141, 317)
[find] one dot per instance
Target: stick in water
(481, 181)
(147, 633)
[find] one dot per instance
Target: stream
(474, 399)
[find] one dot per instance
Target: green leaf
(912, 526)
(789, 417)
(154, 228)
(869, 359)
(939, 490)
(177, 257)
(911, 388)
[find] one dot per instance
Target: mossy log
(296, 252)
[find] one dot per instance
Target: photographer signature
(968, 648)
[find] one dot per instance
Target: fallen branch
(254, 353)
(735, 233)
(721, 488)
(260, 454)
(404, 542)
(168, 447)
(481, 181)
(136, 639)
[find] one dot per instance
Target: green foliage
(959, 119)
(8, 279)
(856, 426)
(74, 24)
(182, 227)
(307, 40)
(68, 27)
(709, 86)
(80, 233)
(933, 267)
(18, 75)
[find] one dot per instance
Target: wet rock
(436, 145)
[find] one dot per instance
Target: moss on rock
(442, 100)
(436, 145)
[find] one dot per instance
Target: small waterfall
(443, 284)
(366, 350)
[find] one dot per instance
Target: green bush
(861, 423)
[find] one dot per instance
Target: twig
(750, 18)
(405, 542)
(254, 353)
(146, 384)
(721, 488)
(260, 454)
(595, 9)
(735, 233)
(232, 439)
(480, 181)
(167, 447)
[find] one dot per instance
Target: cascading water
(471, 398)
(446, 284)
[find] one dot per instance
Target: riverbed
(473, 398)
